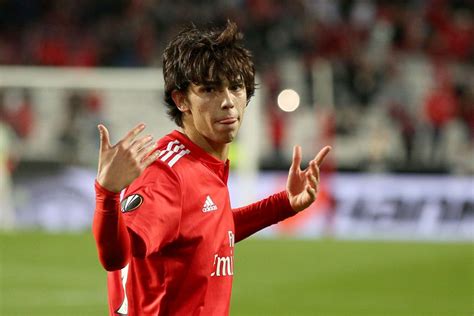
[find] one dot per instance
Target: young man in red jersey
(168, 241)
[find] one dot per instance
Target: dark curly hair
(199, 56)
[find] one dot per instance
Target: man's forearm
(109, 230)
(254, 217)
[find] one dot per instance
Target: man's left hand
(302, 185)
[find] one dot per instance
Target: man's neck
(217, 150)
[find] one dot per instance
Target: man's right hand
(122, 163)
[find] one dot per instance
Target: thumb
(104, 137)
(295, 164)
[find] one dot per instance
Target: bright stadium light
(288, 100)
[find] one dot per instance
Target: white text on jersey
(224, 266)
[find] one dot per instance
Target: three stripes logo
(209, 205)
(173, 152)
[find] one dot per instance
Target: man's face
(216, 110)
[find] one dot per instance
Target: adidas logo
(209, 205)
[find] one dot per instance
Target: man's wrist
(106, 201)
(106, 186)
(284, 198)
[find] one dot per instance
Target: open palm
(122, 163)
(302, 185)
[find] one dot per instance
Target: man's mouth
(228, 120)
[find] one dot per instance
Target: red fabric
(24, 118)
(86, 56)
(110, 232)
(440, 107)
(454, 36)
(254, 217)
(459, 41)
(277, 122)
(20, 118)
(185, 226)
(53, 51)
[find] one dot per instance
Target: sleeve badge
(131, 203)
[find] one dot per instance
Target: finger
(321, 155)
(296, 162)
(128, 139)
(311, 192)
(312, 181)
(146, 151)
(139, 144)
(150, 159)
(314, 169)
(104, 137)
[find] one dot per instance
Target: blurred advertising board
(349, 206)
(384, 206)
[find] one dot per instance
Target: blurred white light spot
(288, 100)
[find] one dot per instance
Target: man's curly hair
(199, 56)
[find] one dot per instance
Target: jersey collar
(220, 168)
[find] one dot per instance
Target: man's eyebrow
(212, 83)
(218, 83)
(237, 81)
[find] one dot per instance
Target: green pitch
(43, 274)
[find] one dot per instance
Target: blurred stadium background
(389, 84)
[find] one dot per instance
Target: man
(168, 243)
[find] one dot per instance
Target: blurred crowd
(133, 32)
(367, 43)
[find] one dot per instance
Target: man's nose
(227, 98)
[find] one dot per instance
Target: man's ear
(180, 100)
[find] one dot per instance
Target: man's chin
(228, 138)
(228, 134)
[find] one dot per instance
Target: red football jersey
(180, 209)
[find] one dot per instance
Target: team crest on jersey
(131, 203)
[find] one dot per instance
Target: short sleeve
(152, 206)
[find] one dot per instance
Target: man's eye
(236, 87)
(209, 89)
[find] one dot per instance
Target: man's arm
(119, 165)
(110, 232)
(301, 191)
(254, 217)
